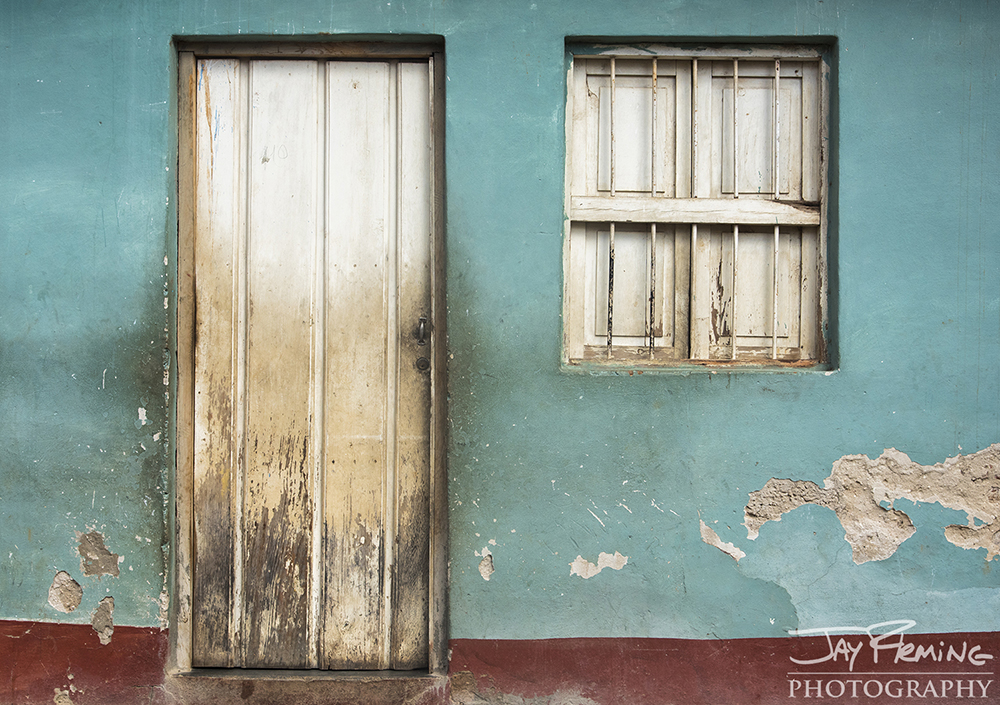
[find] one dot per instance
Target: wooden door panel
(313, 269)
(359, 304)
(218, 252)
(411, 514)
(282, 236)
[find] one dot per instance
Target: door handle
(422, 331)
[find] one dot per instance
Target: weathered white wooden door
(312, 267)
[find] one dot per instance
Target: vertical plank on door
(359, 295)
(217, 236)
(408, 648)
(279, 452)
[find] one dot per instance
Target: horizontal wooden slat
(649, 51)
(715, 211)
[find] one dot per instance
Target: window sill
(695, 367)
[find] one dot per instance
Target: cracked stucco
(65, 593)
(102, 619)
(858, 487)
(95, 558)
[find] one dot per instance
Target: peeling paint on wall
(163, 614)
(95, 558)
(709, 536)
(65, 593)
(102, 620)
(585, 569)
(858, 487)
(486, 565)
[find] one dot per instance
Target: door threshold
(244, 686)
(307, 674)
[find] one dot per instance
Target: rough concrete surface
(861, 492)
(95, 558)
(102, 620)
(65, 593)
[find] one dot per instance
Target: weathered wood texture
(697, 144)
(312, 415)
(218, 263)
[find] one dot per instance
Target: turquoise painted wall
(547, 464)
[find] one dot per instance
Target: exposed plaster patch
(858, 485)
(61, 697)
(585, 569)
(65, 593)
(709, 536)
(102, 620)
(164, 613)
(95, 558)
(486, 565)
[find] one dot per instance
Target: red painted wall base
(66, 663)
(40, 660)
(919, 668)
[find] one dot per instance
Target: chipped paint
(858, 487)
(709, 536)
(163, 603)
(102, 619)
(65, 593)
(585, 569)
(486, 568)
(95, 558)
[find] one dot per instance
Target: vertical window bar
(694, 130)
(652, 141)
(736, 131)
(652, 287)
(732, 300)
(777, 128)
(611, 285)
(612, 121)
(774, 297)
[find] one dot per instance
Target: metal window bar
(774, 297)
(611, 285)
(652, 288)
(732, 306)
(736, 130)
(777, 128)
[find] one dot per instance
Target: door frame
(182, 507)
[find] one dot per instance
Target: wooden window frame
(675, 332)
(179, 620)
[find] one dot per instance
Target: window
(696, 202)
